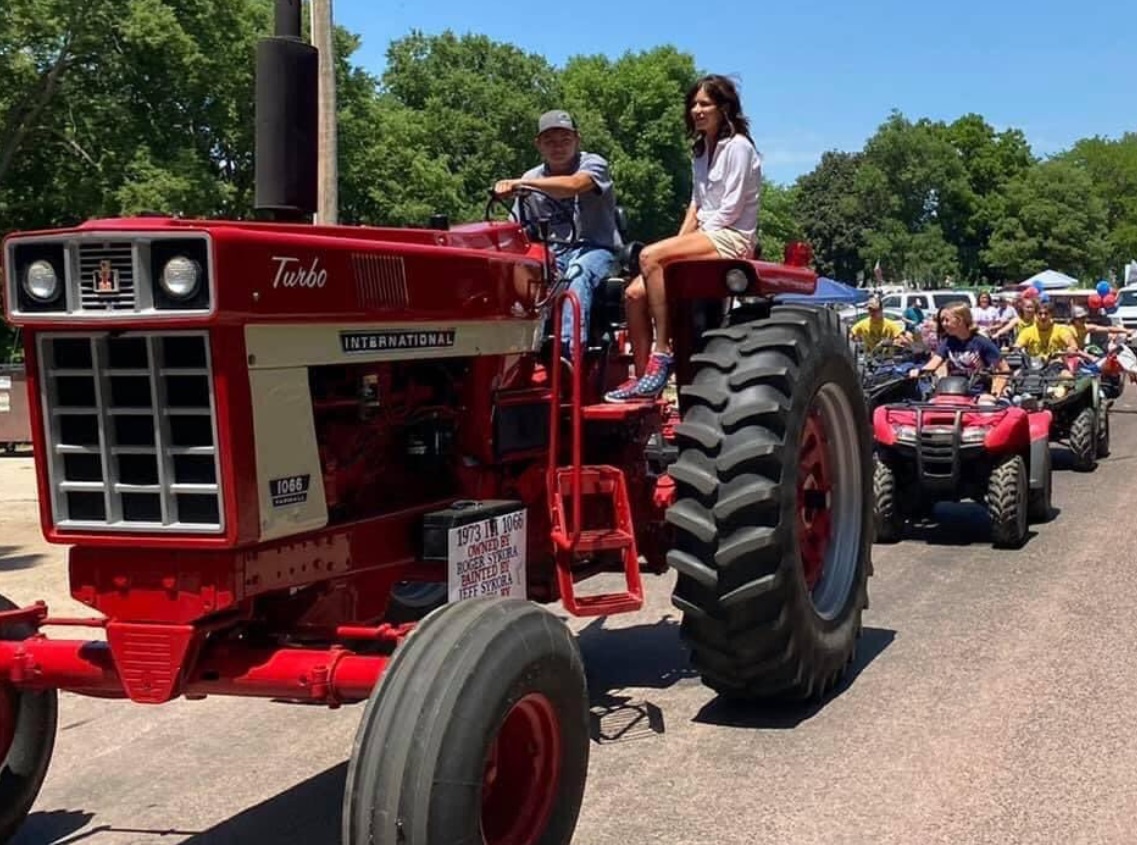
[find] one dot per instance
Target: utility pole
(328, 172)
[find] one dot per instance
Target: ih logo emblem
(106, 278)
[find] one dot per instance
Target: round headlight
(180, 277)
(41, 281)
(737, 281)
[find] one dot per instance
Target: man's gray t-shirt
(595, 210)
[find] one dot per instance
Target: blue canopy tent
(828, 291)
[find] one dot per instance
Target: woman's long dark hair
(725, 95)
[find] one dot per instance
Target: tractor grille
(132, 432)
(112, 264)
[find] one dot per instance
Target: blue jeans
(585, 267)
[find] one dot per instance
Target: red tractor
(330, 464)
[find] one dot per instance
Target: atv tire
(1007, 491)
(478, 731)
(28, 722)
(1083, 440)
(1103, 435)
(888, 522)
(1041, 507)
(773, 514)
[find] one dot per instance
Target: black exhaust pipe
(287, 135)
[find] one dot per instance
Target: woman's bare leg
(652, 261)
(639, 323)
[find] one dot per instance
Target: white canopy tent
(1051, 280)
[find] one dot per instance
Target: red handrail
(559, 536)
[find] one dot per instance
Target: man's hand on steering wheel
(505, 188)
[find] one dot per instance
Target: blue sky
(824, 74)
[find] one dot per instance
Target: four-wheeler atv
(1078, 408)
(952, 448)
(257, 437)
(884, 372)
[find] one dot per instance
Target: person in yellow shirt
(875, 328)
(1046, 338)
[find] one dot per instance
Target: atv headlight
(180, 277)
(973, 435)
(41, 281)
(906, 433)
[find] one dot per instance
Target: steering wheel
(533, 227)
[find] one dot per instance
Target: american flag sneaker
(655, 377)
(622, 393)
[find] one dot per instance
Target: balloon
(1094, 300)
(1037, 285)
(1109, 300)
(1103, 287)
(1044, 297)
(1030, 293)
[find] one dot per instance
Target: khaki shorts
(731, 243)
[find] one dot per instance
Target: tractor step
(574, 543)
(616, 412)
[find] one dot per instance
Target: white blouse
(726, 192)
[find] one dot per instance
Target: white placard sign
(487, 558)
(5, 403)
(5, 382)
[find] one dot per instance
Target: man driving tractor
(581, 184)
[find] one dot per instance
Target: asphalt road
(991, 702)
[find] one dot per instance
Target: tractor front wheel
(27, 740)
(1084, 440)
(477, 732)
(773, 514)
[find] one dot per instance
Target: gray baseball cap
(556, 119)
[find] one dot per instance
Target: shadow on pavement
(10, 562)
(649, 655)
(724, 713)
(640, 656)
(959, 524)
(306, 814)
(42, 828)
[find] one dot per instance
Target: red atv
(950, 448)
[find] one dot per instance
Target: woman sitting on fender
(721, 221)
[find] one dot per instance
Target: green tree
(831, 215)
(777, 221)
(1052, 218)
(1112, 167)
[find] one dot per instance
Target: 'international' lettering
(383, 341)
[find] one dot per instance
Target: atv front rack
(938, 454)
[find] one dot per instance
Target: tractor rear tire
(888, 522)
(1007, 493)
(1083, 440)
(28, 723)
(773, 514)
(478, 731)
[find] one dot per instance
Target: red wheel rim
(8, 709)
(521, 774)
(814, 496)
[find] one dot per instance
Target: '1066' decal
(291, 273)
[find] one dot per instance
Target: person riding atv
(964, 352)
